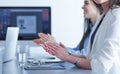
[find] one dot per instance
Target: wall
(67, 17)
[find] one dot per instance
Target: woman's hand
(56, 50)
(44, 38)
(38, 41)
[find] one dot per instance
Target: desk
(13, 68)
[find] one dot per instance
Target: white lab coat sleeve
(105, 60)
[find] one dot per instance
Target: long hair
(87, 30)
(98, 6)
(114, 4)
(88, 24)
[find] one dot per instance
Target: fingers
(44, 37)
(38, 41)
(50, 51)
(62, 45)
(39, 34)
(51, 38)
(52, 45)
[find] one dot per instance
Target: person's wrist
(68, 57)
(74, 60)
(77, 62)
(69, 53)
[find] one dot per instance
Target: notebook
(10, 44)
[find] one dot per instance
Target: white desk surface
(13, 68)
(26, 42)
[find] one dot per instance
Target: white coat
(104, 53)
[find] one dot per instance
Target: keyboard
(35, 64)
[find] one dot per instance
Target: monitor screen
(30, 20)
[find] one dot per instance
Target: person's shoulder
(116, 10)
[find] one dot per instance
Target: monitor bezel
(28, 36)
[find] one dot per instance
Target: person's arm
(80, 56)
(60, 52)
(81, 61)
(74, 51)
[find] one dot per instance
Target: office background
(67, 17)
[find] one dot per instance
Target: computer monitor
(30, 20)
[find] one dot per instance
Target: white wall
(67, 17)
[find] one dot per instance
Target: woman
(91, 13)
(104, 43)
